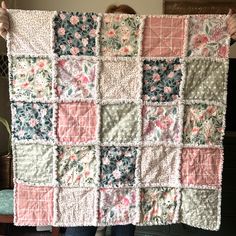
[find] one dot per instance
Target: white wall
(141, 6)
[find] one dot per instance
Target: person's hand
(4, 20)
(231, 24)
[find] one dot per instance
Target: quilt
(117, 118)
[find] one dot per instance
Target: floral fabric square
(118, 166)
(77, 122)
(203, 124)
(120, 35)
(33, 121)
(117, 83)
(76, 166)
(201, 166)
(207, 36)
(76, 78)
(158, 205)
(31, 78)
(205, 80)
(76, 206)
(161, 80)
(119, 123)
(34, 164)
(199, 208)
(28, 37)
(33, 205)
(75, 33)
(117, 206)
(159, 165)
(161, 123)
(163, 36)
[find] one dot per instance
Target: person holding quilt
(117, 230)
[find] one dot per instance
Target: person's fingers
(232, 30)
(230, 12)
(3, 33)
(3, 5)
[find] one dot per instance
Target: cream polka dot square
(119, 123)
(205, 80)
(199, 208)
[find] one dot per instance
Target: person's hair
(120, 9)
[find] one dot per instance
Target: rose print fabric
(120, 35)
(161, 80)
(117, 119)
(75, 33)
(118, 166)
(32, 78)
(208, 36)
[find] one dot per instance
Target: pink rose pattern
(115, 170)
(208, 36)
(118, 166)
(120, 35)
(75, 33)
(32, 77)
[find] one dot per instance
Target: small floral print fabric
(31, 78)
(117, 118)
(76, 166)
(33, 121)
(201, 166)
(207, 36)
(203, 124)
(160, 123)
(158, 205)
(205, 80)
(119, 123)
(118, 166)
(76, 78)
(161, 80)
(117, 206)
(120, 35)
(75, 33)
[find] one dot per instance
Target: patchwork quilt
(117, 118)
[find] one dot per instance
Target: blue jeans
(117, 230)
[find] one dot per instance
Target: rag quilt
(117, 118)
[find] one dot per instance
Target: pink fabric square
(162, 36)
(77, 122)
(201, 166)
(34, 205)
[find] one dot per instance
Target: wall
(142, 7)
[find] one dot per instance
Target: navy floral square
(118, 166)
(161, 80)
(32, 121)
(75, 33)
